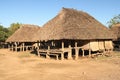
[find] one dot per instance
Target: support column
(27, 48)
(52, 43)
(8, 45)
(48, 51)
(103, 52)
(23, 46)
(62, 45)
(38, 53)
(62, 56)
(56, 57)
(83, 55)
(89, 53)
(38, 45)
(70, 52)
(15, 46)
(76, 51)
(12, 47)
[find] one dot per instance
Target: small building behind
(116, 30)
(23, 39)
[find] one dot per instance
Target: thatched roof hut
(26, 33)
(116, 30)
(73, 24)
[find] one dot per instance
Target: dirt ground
(26, 66)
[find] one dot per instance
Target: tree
(13, 27)
(3, 36)
(6, 32)
(1, 27)
(3, 33)
(114, 20)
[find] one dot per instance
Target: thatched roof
(68, 24)
(26, 33)
(73, 24)
(116, 30)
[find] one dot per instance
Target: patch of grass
(24, 55)
(2, 54)
(117, 54)
(101, 58)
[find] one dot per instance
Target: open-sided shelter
(23, 38)
(72, 33)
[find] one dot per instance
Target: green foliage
(3, 33)
(1, 28)
(114, 20)
(2, 36)
(13, 27)
(6, 32)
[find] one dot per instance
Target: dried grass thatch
(108, 45)
(68, 24)
(73, 24)
(26, 33)
(116, 30)
(101, 45)
(94, 45)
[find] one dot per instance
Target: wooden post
(15, 46)
(38, 53)
(23, 46)
(62, 56)
(103, 52)
(83, 53)
(56, 57)
(38, 45)
(76, 51)
(12, 47)
(70, 52)
(47, 55)
(52, 43)
(20, 47)
(27, 48)
(8, 45)
(89, 50)
(89, 53)
(62, 45)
